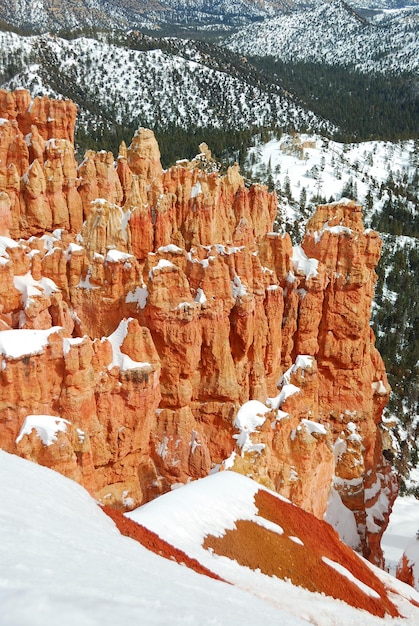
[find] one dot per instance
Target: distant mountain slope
(64, 15)
(180, 85)
(335, 34)
(58, 15)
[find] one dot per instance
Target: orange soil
(154, 543)
(277, 555)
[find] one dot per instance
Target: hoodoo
(155, 328)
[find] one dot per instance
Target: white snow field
(62, 561)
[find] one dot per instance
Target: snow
(126, 81)
(16, 344)
(72, 248)
(210, 506)
(334, 230)
(320, 166)
(302, 362)
(297, 540)
(46, 426)
(116, 256)
(412, 557)
(330, 33)
(380, 507)
(171, 248)
(314, 427)
(139, 295)
(6, 242)
(85, 283)
(200, 297)
(403, 526)
(29, 287)
(342, 570)
(238, 289)
(162, 264)
(342, 520)
(379, 388)
(286, 391)
(196, 189)
(302, 264)
(69, 341)
(96, 576)
(120, 359)
(250, 416)
(62, 560)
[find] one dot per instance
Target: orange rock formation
(173, 303)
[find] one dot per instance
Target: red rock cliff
(174, 304)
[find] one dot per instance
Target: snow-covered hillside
(148, 88)
(55, 16)
(63, 561)
(51, 15)
(334, 34)
(312, 167)
(46, 15)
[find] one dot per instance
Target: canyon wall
(154, 328)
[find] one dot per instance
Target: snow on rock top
(200, 297)
(29, 287)
(238, 289)
(72, 248)
(162, 264)
(314, 427)
(16, 344)
(302, 264)
(249, 417)
(334, 230)
(69, 341)
(139, 295)
(185, 516)
(287, 390)
(170, 248)
(46, 426)
(115, 256)
(119, 359)
(6, 242)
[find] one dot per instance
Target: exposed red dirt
(154, 543)
(278, 555)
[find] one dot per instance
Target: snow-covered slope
(403, 527)
(63, 561)
(215, 520)
(147, 87)
(313, 166)
(58, 15)
(55, 15)
(333, 33)
(44, 15)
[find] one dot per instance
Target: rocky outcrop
(176, 304)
